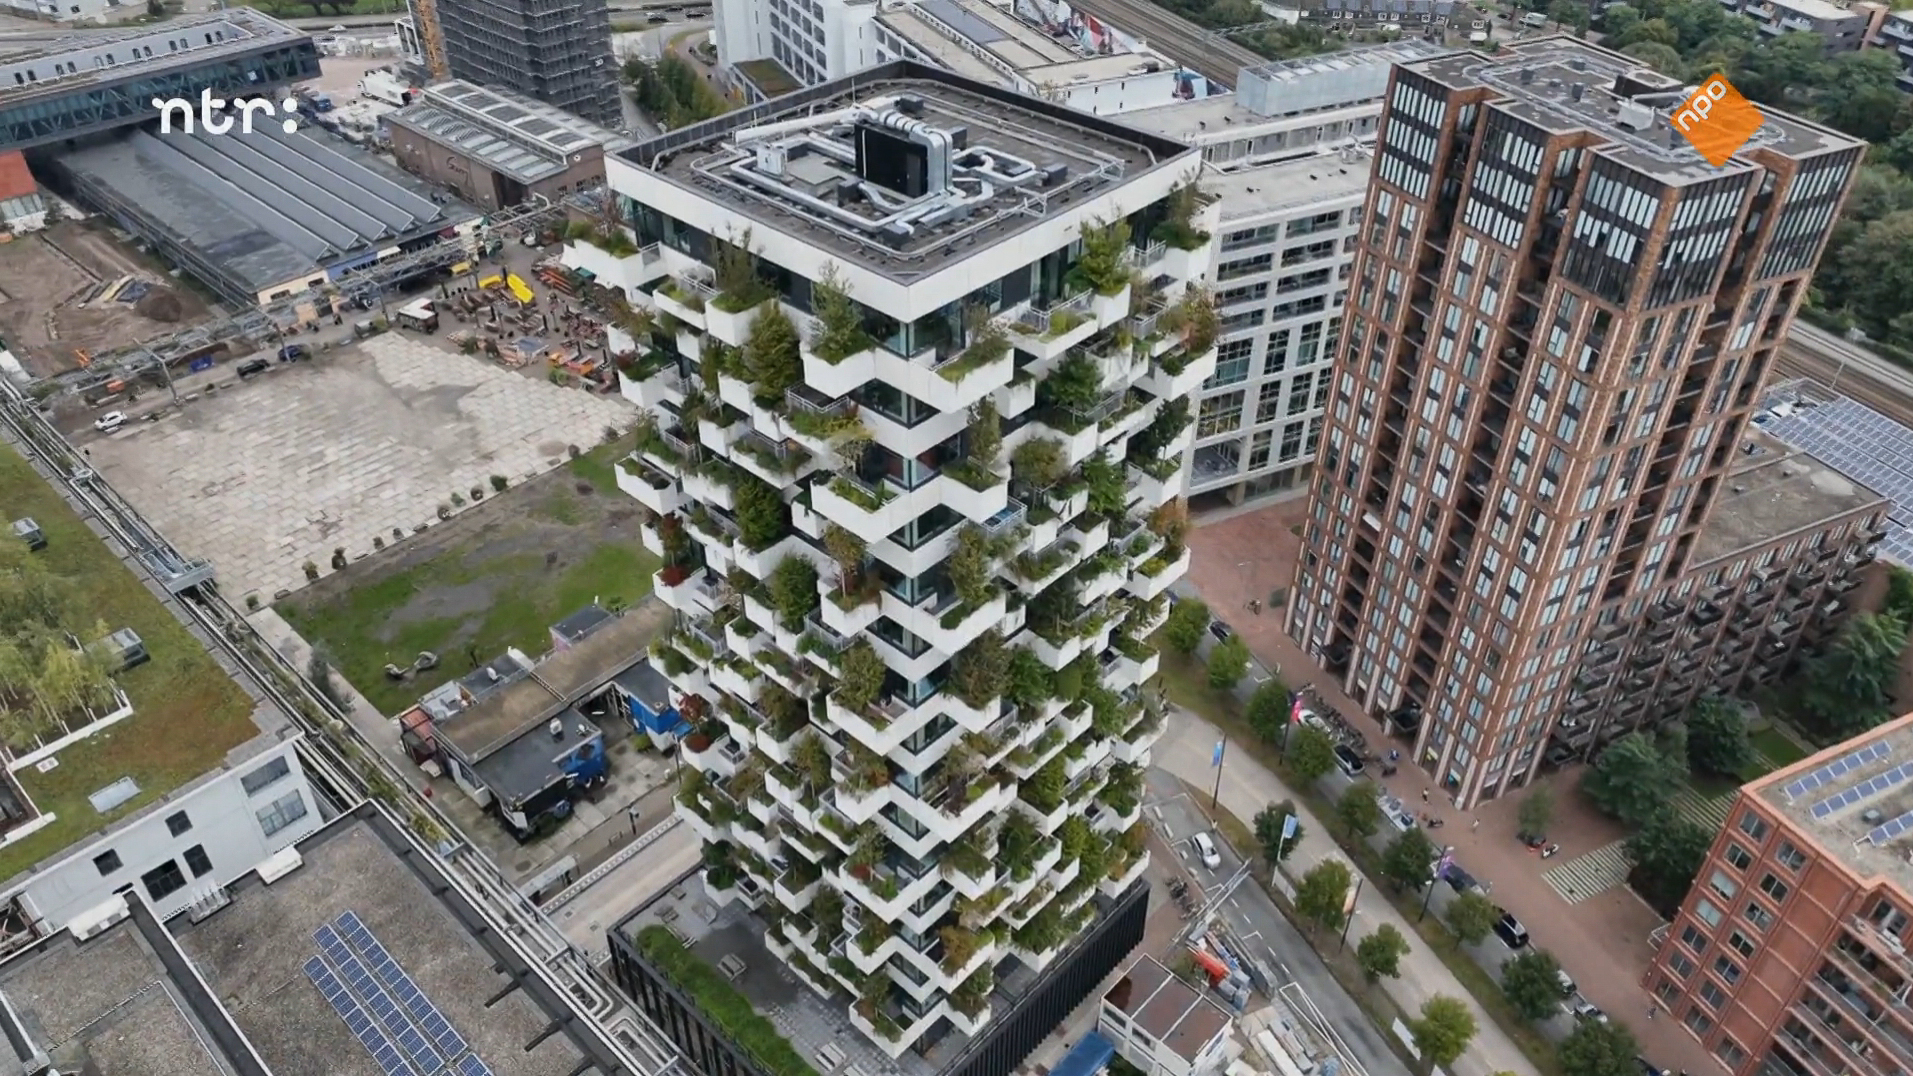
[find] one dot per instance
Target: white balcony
(1127, 671)
(976, 505)
(913, 441)
(684, 299)
(719, 438)
(848, 617)
(1153, 491)
(1149, 586)
(915, 561)
(648, 485)
(954, 384)
(1016, 397)
(712, 832)
(881, 728)
(872, 513)
(1188, 265)
(1115, 887)
(1049, 332)
(665, 385)
(703, 487)
(620, 272)
(731, 327)
(1108, 310)
(1168, 384)
(738, 680)
(676, 594)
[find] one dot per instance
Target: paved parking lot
(1603, 940)
(266, 475)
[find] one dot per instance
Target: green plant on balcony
(748, 781)
(1030, 683)
(1051, 614)
(1171, 522)
(873, 994)
(969, 854)
(849, 551)
(1075, 835)
(721, 1003)
(1044, 789)
(1195, 320)
(1134, 840)
(827, 914)
(980, 673)
(867, 848)
(787, 713)
(1041, 563)
(861, 678)
(840, 332)
(612, 240)
(1018, 841)
(865, 770)
(1074, 385)
(763, 519)
(1150, 441)
(793, 591)
(872, 934)
(674, 661)
(976, 913)
(739, 284)
(828, 425)
(971, 567)
(983, 444)
(1100, 265)
(1044, 932)
(1109, 713)
(772, 357)
(684, 294)
(810, 758)
(719, 860)
(1098, 855)
(988, 343)
(972, 996)
(1123, 791)
(1039, 462)
(680, 551)
(1178, 226)
(956, 776)
(1062, 321)
(1108, 489)
(960, 946)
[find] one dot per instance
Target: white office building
(1036, 47)
(917, 546)
(1287, 158)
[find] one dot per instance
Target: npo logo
(1717, 120)
(214, 118)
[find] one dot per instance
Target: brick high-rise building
(1789, 956)
(1559, 321)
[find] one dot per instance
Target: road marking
(1168, 831)
(1591, 874)
(1233, 904)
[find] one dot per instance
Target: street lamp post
(1350, 919)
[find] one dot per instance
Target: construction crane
(271, 321)
(431, 39)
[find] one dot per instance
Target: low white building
(1164, 1026)
(1036, 47)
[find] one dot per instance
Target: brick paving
(1605, 942)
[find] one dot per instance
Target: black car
(294, 353)
(1459, 880)
(1649, 1068)
(1510, 931)
(252, 366)
(1220, 630)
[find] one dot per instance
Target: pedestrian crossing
(1709, 811)
(1592, 874)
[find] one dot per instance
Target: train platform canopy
(260, 213)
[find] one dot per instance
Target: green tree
(1859, 95)
(1536, 811)
(1633, 780)
(793, 590)
(1443, 1031)
(1597, 1049)
(1359, 810)
(1472, 916)
(1717, 739)
(1268, 710)
(1380, 954)
(771, 354)
(1311, 753)
(1228, 663)
(1898, 603)
(1786, 63)
(1660, 57)
(1876, 269)
(1188, 619)
(1268, 831)
(1847, 690)
(1668, 852)
(1407, 859)
(763, 519)
(1322, 892)
(1569, 15)
(1532, 984)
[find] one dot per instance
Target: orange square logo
(1717, 120)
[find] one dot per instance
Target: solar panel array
(1867, 447)
(391, 1017)
(1882, 833)
(1836, 769)
(1866, 789)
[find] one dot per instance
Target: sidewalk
(1247, 787)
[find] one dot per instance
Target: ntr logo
(213, 117)
(1717, 120)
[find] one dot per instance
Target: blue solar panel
(380, 987)
(1891, 829)
(443, 1034)
(470, 1065)
(1836, 769)
(1866, 789)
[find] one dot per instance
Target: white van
(1536, 19)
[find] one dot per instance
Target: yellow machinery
(430, 38)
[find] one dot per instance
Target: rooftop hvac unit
(29, 532)
(770, 158)
(95, 920)
(280, 864)
(1635, 116)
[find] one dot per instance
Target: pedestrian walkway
(1709, 812)
(1591, 874)
(1246, 786)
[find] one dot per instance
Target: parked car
(110, 421)
(657, 16)
(1649, 1068)
(1510, 931)
(1348, 761)
(1568, 989)
(1459, 880)
(1398, 814)
(294, 353)
(253, 366)
(1587, 1012)
(1220, 630)
(1205, 847)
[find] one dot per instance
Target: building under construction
(559, 53)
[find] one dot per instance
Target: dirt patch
(497, 575)
(52, 312)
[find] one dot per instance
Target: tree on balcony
(680, 550)
(1075, 385)
(1171, 419)
(983, 445)
(1100, 265)
(971, 567)
(865, 769)
(1178, 228)
(1038, 463)
(826, 913)
(793, 591)
(861, 677)
(980, 674)
(1030, 684)
(960, 945)
(763, 519)
(740, 286)
(972, 995)
(1045, 931)
(840, 331)
(1195, 321)
(1044, 789)
(748, 781)
(1123, 792)
(1108, 486)
(1018, 839)
(772, 356)
(810, 757)
(848, 551)
(787, 713)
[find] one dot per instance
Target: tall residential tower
(1559, 322)
(919, 372)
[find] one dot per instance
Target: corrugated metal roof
(522, 138)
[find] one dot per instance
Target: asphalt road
(1254, 917)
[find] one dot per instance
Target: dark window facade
(1806, 214)
(164, 880)
(1695, 250)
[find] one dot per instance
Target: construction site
(74, 291)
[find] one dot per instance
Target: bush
(311, 570)
(499, 483)
(1228, 663)
(1187, 621)
(721, 1002)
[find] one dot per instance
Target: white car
(110, 421)
(1206, 850)
(337, 29)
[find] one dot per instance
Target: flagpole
(1222, 752)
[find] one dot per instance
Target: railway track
(1848, 371)
(336, 756)
(1213, 56)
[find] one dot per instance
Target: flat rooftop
(554, 684)
(518, 136)
(117, 1005)
(806, 1021)
(255, 953)
(1261, 189)
(949, 31)
(267, 207)
(1026, 160)
(193, 713)
(1774, 490)
(1816, 9)
(1855, 800)
(1861, 443)
(91, 58)
(1534, 79)
(1301, 93)
(1169, 1010)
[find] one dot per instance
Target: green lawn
(1778, 746)
(186, 713)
